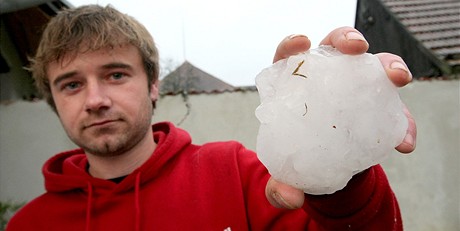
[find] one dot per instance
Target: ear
(154, 90)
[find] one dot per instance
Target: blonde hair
(90, 28)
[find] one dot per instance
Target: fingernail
(355, 36)
(399, 66)
(296, 36)
(402, 67)
(281, 202)
(409, 139)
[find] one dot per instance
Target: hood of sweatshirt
(66, 171)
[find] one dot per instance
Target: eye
(71, 86)
(117, 75)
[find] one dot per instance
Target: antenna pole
(184, 49)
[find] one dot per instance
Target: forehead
(73, 61)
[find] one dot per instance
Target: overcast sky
(232, 40)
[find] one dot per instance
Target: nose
(96, 97)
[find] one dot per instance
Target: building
(425, 33)
(188, 78)
(21, 23)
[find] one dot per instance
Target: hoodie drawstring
(137, 202)
(89, 207)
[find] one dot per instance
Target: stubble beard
(117, 139)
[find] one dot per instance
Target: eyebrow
(108, 66)
(63, 77)
(117, 65)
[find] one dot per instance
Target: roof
(25, 20)
(435, 23)
(188, 78)
(21, 25)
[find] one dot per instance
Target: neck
(122, 165)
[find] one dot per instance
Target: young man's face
(103, 100)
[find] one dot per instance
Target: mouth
(101, 123)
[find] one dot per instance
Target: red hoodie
(217, 186)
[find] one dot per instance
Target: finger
(347, 40)
(283, 196)
(409, 142)
(291, 45)
(396, 69)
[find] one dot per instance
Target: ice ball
(325, 116)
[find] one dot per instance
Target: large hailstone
(326, 116)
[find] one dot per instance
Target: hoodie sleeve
(366, 203)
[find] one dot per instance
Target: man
(98, 69)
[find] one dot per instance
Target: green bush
(7, 210)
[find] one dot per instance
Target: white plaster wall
(213, 117)
(426, 182)
(30, 133)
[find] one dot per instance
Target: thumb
(292, 45)
(283, 196)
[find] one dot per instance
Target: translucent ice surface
(325, 116)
